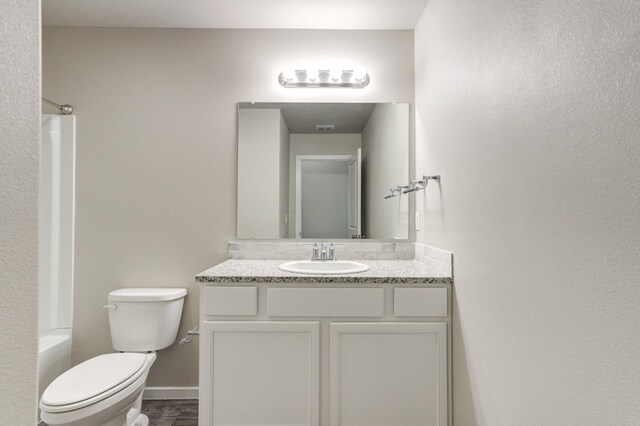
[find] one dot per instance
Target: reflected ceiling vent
(325, 127)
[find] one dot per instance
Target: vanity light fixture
(359, 73)
(312, 74)
(355, 77)
(288, 73)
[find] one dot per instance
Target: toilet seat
(93, 381)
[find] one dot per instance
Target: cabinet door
(385, 374)
(259, 373)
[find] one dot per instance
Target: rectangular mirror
(323, 171)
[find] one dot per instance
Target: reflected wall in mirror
(323, 170)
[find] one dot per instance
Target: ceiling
(303, 117)
(273, 14)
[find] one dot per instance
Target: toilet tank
(144, 319)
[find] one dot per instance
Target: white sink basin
(324, 268)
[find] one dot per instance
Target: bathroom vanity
(361, 342)
(369, 348)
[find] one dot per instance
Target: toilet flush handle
(111, 307)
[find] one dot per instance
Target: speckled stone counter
(264, 271)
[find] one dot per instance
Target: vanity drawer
(230, 301)
(420, 302)
(325, 302)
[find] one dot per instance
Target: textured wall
(530, 111)
(156, 149)
(19, 156)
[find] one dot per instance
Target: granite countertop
(263, 271)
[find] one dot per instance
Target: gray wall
(19, 154)
(283, 189)
(530, 111)
(385, 165)
(156, 149)
(259, 169)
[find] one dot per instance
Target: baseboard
(170, 392)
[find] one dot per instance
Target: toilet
(107, 390)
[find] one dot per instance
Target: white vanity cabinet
(324, 355)
(259, 373)
(388, 373)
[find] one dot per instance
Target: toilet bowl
(107, 390)
(99, 391)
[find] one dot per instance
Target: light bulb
(312, 74)
(359, 73)
(335, 74)
(288, 72)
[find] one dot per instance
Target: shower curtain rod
(65, 109)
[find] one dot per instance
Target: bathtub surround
(56, 223)
(529, 111)
(19, 151)
(55, 246)
(156, 191)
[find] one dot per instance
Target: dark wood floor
(171, 412)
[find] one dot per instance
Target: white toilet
(107, 390)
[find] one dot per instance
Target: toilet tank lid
(146, 294)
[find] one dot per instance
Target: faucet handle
(314, 256)
(332, 251)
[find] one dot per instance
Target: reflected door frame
(299, 160)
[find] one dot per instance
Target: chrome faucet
(323, 252)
